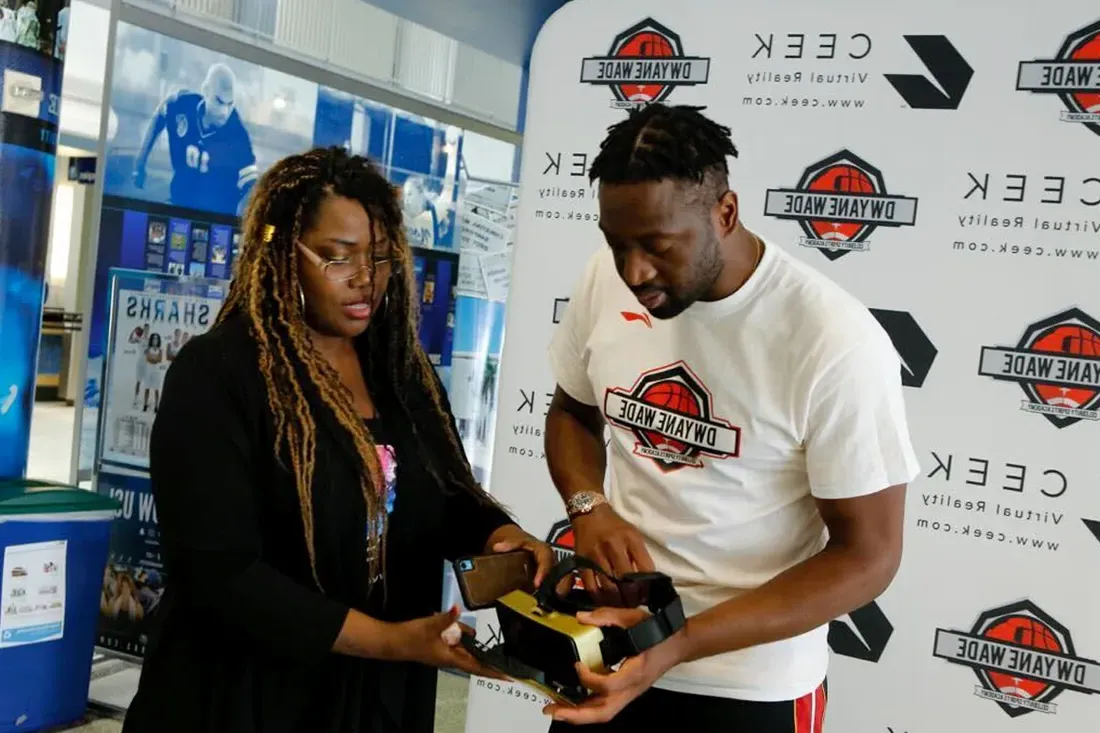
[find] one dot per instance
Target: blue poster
(133, 581)
(28, 140)
(436, 283)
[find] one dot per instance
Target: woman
(310, 482)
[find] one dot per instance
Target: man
(759, 448)
(213, 164)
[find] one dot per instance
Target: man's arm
(248, 172)
(577, 458)
(152, 132)
(858, 563)
(574, 445)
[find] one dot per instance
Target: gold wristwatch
(583, 502)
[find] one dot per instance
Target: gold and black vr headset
(542, 640)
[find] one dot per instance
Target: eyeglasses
(340, 270)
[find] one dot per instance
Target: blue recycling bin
(53, 550)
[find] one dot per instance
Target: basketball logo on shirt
(1023, 659)
(1056, 363)
(839, 202)
(670, 413)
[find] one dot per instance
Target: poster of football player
(195, 127)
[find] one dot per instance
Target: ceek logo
(839, 202)
(863, 635)
(1056, 363)
(950, 71)
(1073, 75)
(645, 64)
(670, 413)
(1023, 658)
(1093, 526)
(915, 349)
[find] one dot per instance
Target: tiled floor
(50, 452)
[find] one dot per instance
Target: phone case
(483, 579)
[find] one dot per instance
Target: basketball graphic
(1057, 365)
(676, 398)
(1070, 76)
(668, 416)
(1027, 632)
(644, 64)
(1087, 50)
(1023, 657)
(644, 45)
(845, 179)
(838, 203)
(1070, 340)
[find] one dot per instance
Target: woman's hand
(511, 537)
(431, 640)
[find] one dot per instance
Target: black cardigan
(242, 641)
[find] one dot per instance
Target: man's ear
(728, 214)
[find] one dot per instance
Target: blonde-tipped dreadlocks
(299, 380)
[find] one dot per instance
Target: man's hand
(511, 537)
(613, 691)
(612, 543)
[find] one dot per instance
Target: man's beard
(707, 270)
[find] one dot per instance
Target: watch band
(583, 502)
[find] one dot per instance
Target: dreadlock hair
(300, 383)
(658, 142)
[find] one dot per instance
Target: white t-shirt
(725, 423)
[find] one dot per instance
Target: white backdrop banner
(938, 160)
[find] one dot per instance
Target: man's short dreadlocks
(659, 142)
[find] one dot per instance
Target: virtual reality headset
(541, 638)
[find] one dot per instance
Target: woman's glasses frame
(388, 265)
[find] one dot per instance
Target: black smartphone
(482, 579)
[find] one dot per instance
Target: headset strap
(653, 590)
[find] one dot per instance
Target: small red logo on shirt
(630, 316)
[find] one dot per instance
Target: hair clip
(269, 233)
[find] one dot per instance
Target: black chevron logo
(864, 636)
(948, 68)
(915, 349)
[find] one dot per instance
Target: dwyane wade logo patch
(670, 413)
(1056, 363)
(561, 539)
(1073, 75)
(839, 202)
(1023, 658)
(645, 64)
